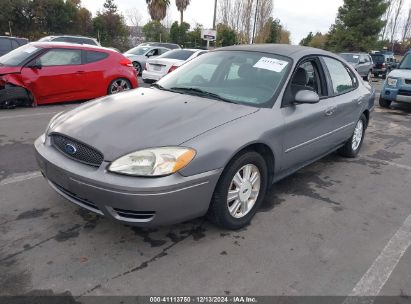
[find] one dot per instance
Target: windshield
(19, 55)
(138, 50)
(378, 58)
(249, 78)
(353, 58)
(406, 63)
(178, 54)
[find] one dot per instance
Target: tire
(219, 212)
(384, 103)
(368, 78)
(353, 146)
(119, 85)
(138, 68)
(11, 96)
(384, 76)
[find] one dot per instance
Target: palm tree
(182, 6)
(158, 9)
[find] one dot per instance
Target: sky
(299, 16)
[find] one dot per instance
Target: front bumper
(399, 94)
(131, 200)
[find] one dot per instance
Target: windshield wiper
(200, 92)
(160, 87)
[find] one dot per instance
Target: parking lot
(338, 227)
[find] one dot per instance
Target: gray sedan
(208, 139)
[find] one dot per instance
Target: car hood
(4, 70)
(400, 74)
(145, 118)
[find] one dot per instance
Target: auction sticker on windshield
(271, 64)
(30, 50)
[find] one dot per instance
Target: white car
(160, 66)
(139, 55)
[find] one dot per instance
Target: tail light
(383, 65)
(126, 62)
(173, 68)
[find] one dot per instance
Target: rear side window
(342, 79)
(92, 56)
(58, 57)
(5, 45)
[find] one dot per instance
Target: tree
(178, 33)
(157, 9)
(155, 31)
(181, 7)
(357, 26)
(318, 41)
(306, 41)
(406, 30)
(110, 27)
(395, 19)
(226, 36)
(194, 39)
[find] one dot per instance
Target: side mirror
(35, 65)
(306, 96)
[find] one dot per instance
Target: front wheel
(353, 146)
(118, 86)
(239, 192)
(138, 68)
(368, 78)
(384, 103)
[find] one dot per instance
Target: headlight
(392, 82)
(153, 162)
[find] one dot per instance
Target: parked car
(397, 86)
(139, 55)
(46, 72)
(71, 39)
(383, 64)
(361, 62)
(171, 46)
(7, 44)
(209, 138)
(157, 67)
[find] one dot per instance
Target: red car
(43, 73)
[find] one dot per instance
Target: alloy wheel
(119, 86)
(244, 190)
(358, 134)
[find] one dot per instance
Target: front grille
(76, 150)
(408, 81)
(80, 201)
(135, 215)
(404, 92)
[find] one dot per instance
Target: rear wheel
(353, 146)
(368, 78)
(240, 191)
(119, 85)
(384, 103)
(137, 67)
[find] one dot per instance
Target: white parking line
(29, 115)
(20, 178)
(380, 271)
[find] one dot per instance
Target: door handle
(330, 111)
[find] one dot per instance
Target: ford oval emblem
(70, 149)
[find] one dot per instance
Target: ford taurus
(209, 138)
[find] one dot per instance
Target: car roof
(291, 51)
(355, 53)
(71, 36)
(51, 44)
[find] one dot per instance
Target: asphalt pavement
(338, 227)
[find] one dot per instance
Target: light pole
(215, 14)
(255, 22)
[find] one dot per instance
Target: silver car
(208, 139)
(160, 66)
(139, 55)
(361, 62)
